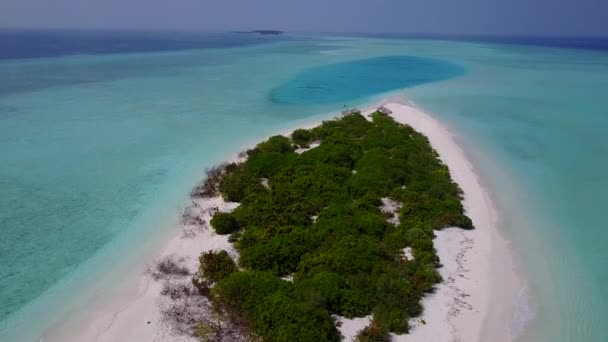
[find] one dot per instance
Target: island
(328, 224)
(264, 32)
(357, 228)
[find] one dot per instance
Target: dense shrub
(215, 266)
(277, 143)
(267, 164)
(280, 254)
(281, 318)
(234, 185)
(334, 153)
(348, 255)
(269, 303)
(350, 220)
(224, 223)
(319, 221)
(301, 137)
(323, 290)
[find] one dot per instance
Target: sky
(451, 17)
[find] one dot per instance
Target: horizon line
(378, 33)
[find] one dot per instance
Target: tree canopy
(319, 221)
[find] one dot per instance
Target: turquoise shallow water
(91, 157)
(533, 119)
(101, 160)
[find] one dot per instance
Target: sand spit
(464, 306)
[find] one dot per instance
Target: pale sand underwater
(475, 302)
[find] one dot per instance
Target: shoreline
(479, 267)
(476, 264)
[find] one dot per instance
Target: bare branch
(168, 267)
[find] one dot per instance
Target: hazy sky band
(486, 17)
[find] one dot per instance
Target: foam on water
(525, 312)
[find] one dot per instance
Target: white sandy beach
(475, 302)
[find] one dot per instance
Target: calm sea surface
(103, 134)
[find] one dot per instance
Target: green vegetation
(224, 223)
(301, 137)
(373, 333)
(215, 266)
(319, 220)
(276, 315)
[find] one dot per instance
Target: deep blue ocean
(20, 44)
(104, 133)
